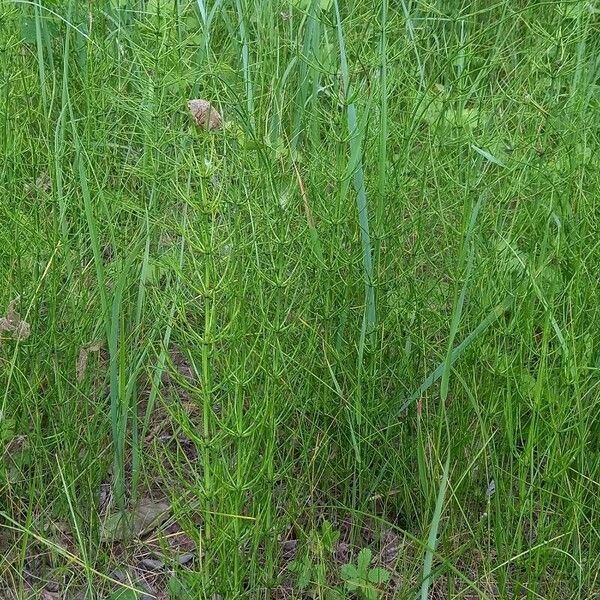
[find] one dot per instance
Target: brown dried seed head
(204, 114)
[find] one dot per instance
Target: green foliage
(183, 586)
(230, 281)
(305, 5)
(362, 579)
(312, 567)
(50, 25)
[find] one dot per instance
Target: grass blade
(492, 316)
(433, 532)
(459, 303)
(359, 181)
(383, 132)
(245, 61)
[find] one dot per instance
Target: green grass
(371, 298)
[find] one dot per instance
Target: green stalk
(433, 532)
(460, 300)
(383, 133)
(307, 75)
(246, 62)
(39, 35)
(492, 316)
(356, 164)
(59, 143)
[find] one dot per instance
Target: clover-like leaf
(329, 536)
(379, 575)
(363, 561)
(350, 575)
(370, 593)
(363, 580)
(302, 568)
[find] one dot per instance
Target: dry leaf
(147, 516)
(46, 594)
(12, 323)
(205, 115)
(84, 354)
(152, 564)
(184, 559)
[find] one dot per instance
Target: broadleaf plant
(362, 579)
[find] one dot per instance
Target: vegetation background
(344, 345)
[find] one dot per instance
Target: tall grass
(355, 168)
(369, 299)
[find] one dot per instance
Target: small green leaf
(490, 157)
(466, 117)
(7, 428)
(329, 536)
(302, 568)
(363, 561)
(349, 572)
(370, 593)
(320, 570)
(509, 253)
(304, 576)
(294, 567)
(181, 587)
(379, 575)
